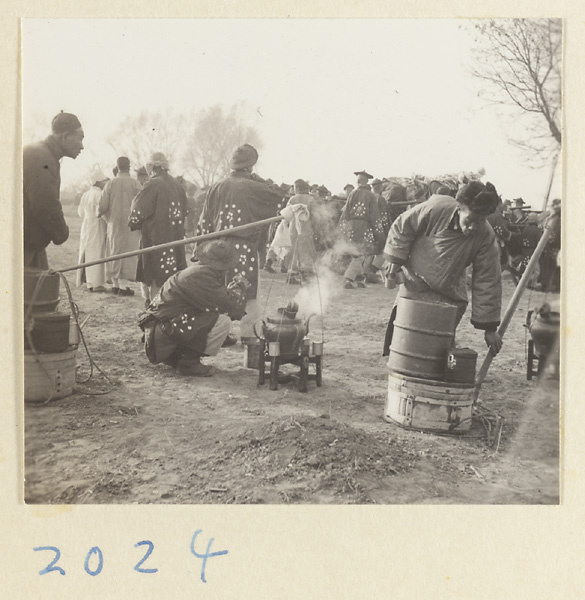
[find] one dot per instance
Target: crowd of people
(374, 232)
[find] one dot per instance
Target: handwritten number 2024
(94, 560)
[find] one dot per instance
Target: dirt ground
(158, 437)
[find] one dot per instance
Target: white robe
(115, 206)
(92, 242)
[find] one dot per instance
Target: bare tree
(215, 134)
(137, 137)
(520, 60)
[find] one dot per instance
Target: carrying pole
(198, 238)
(514, 301)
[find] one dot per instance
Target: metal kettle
(284, 328)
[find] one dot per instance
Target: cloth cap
(323, 189)
(376, 182)
(519, 202)
(217, 254)
(96, 174)
(244, 157)
(141, 171)
(364, 173)
(348, 185)
(64, 123)
(158, 159)
(532, 217)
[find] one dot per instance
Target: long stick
(207, 236)
(513, 304)
(550, 181)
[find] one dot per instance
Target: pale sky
(328, 97)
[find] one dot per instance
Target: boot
(268, 266)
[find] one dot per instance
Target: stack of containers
(430, 383)
(49, 359)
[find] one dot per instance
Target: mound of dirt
(316, 456)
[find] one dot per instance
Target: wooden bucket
(424, 405)
(49, 375)
(43, 297)
(423, 335)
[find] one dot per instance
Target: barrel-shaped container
(423, 334)
(49, 332)
(424, 405)
(41, 291)
(48, 376)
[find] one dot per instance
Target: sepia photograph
(292, 261)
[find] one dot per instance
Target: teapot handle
(307, 323)
(260, 337)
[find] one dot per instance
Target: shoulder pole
(199, 238)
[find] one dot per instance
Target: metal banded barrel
(41, 291)
(423, 334)
(49, 332)
(425, 405)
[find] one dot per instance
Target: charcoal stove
(283, 340)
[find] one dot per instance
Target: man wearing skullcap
(115, 205)
(434, 242)
(41, 172)
(241, 199)
(92, 239)
(158, 212)
(361, 227)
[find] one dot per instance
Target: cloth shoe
(125, 292)
(268, 268)
(348, 285)
(360, 284)
(98, 289)
(194, 368)
(115, 291)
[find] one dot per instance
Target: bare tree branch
(519, 60)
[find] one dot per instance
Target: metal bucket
(461, 363)
(49, 332)
(43, 297)
(424, 405)
(423, 335)
(49, 376)
(253, 353)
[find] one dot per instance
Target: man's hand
(494, 341)
(241, 282)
